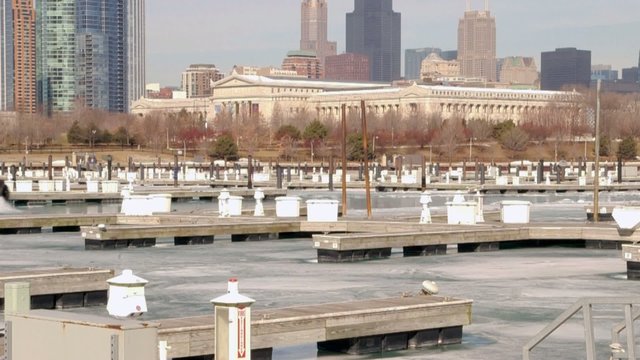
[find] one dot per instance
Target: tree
(224, 148)
(501, 128)
(75, 134)
(450, 135)
(315, 131)
(628, 148)
(355, 148)
(605, 146)
(287, 135)
(515, 139)
(121, 136)
(480, 129)
(288, 132)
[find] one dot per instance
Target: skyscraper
(197, 79)
(24, 48)
(90, 52)
(477, 43)
(136, 51)
(413, 61)
(565, 67)
(57, 54)
(6, 56)
(373, 29)
(314, 29)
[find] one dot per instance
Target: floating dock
(358, 327)
(62, 288)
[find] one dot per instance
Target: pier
(61, 288)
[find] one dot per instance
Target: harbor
(276, 271)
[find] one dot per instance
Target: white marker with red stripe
(233, 324)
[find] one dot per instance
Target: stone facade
(434, 67)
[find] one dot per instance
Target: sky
(261, 32)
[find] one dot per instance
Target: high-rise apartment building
(24, 49)
(6, 55)
(373, 29)
(56, 34)
(477, 43)
(136, 50)
(565, 67)
(347, 67)
(314, 20)
(90, 53)
(197, 79)
(305, 63)
(413, 61)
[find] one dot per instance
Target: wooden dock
(204, 232)
(31, 223)
(62, 288)
(358, 327)
(434, 240)
(177, 194)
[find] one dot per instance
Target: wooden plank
(60, 281)
(231, 227)
(55, 220)
(631, 252)
(315, 323)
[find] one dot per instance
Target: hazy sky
(260, 32)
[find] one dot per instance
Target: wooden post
(596, 179)
(331, 171)
(250, 172)
(366, 158)
(344, 160)
(50, 167)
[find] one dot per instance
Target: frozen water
(515, 292)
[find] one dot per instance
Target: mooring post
(482, 174)
(109, 162)
(250, 172)
(232, 324)
(17, 298)
(331, 173)
(278, 176)
(50, 167)
(619, 170)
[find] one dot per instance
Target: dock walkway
(358, 327)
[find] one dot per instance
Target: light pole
(373, 147)
(470, 148)
(312, 152)
(93, 133)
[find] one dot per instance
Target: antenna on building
(468, 5)
(486, 5)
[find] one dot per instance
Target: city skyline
(268, 33)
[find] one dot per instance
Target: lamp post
(373, 147)
(312, 152)
(93, 133)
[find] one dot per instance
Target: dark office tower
(477, 43)
(6, 56)
(565, 67)
(373, 29)
(413, 61)
(314, 29)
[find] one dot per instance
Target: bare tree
(451, 134)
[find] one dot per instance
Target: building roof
(279, 82)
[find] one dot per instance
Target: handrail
(586, 305)
(615, 335)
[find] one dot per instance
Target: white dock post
(258, 196)
(425, 216)
(17, 298)
(233, 324)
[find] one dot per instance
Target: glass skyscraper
(373, 29)
(136, 49)
(56, 32)
(6, 56)
(91, 53)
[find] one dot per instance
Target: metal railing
(586, 306)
